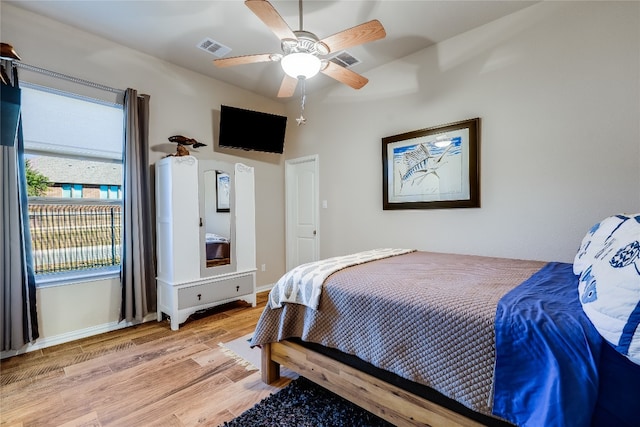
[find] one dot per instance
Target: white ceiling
(172, 29)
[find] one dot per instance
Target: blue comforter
(547, 353)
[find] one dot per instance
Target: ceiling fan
(304, 55)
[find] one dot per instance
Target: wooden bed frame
(385, 400)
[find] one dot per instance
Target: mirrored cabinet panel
(217, 213)
(217, 217)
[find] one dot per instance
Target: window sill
(72, 277)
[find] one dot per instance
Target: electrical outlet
(264, 267)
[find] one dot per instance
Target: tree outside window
(37, 183)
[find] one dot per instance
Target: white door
(302, 193)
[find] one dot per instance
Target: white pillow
(608, 264)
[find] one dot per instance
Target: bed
(423, 338)
(218, 249)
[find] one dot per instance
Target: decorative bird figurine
(7, 52)
(181, 151)
(183, 140)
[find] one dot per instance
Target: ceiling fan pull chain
(301, 120)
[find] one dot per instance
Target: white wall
(557, 87)
(182, 102)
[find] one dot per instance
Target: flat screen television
(251, 130)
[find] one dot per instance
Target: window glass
(73, 153)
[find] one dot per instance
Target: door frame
(289, 203)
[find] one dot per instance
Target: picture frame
(223, 189)
(432, 168)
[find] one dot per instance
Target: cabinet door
(177, 219)
(245, 217)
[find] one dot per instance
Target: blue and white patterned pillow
(608, 264)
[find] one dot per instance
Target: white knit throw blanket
(303, 284)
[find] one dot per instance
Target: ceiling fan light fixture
(301, 64)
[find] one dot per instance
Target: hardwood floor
(145, 375)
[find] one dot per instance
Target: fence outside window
(74, 234)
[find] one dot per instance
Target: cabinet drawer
(215, 291)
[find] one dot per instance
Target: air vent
(345, 59)
(214, 48)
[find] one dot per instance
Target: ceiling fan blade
(272, 19)
(288, 86)
(240, 60)
(344, 75)
(363, 33)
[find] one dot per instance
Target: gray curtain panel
(138, 267)
(19, 320)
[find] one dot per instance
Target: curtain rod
(66, 77)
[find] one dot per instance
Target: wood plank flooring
(146, 375)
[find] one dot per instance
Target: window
(66, 190)
(73, 151)
(76, 191)
(110, 192)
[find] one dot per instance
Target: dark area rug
(303, 403)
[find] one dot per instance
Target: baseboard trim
(89, 332)
(41, 343)
(264, 288)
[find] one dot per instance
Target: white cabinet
(185, 282)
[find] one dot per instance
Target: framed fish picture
(432, 168)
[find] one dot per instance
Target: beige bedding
(427, 317)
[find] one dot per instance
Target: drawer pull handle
(199, 297)
(237, 288)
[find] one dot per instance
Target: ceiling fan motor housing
(306, 43)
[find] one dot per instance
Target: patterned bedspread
(428, 317)
(303, 284)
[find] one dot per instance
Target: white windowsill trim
(80, 276)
